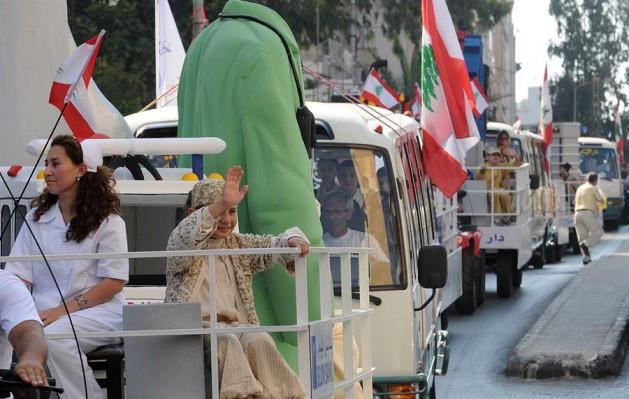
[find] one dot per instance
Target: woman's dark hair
(95, 198)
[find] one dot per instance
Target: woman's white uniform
(73, 277)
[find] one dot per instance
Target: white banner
(169, 55)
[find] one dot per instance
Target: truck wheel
(552, 254)
(574, 242)
(480, 279)
(444, 320)
(466, 303)
(432, 394)
(517, 276)
(611, 224)
(537, 260)
(504, 274)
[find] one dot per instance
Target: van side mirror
(433, 266)
(534, 185)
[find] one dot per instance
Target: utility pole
(596, 105)
(574, 94)
(353, 39)
(198, 17)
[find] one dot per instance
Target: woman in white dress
(78, 212)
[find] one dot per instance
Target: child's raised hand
(232, 193)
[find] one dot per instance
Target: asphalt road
(482, 342)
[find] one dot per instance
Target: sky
(534, 29)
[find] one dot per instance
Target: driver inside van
(249, 363)
(508, 153)
(337, 207)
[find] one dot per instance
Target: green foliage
(404, 17)
(593, 45)
(125, 68)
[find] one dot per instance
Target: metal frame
(355, 317)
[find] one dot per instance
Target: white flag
(169, 55)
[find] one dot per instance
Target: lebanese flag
(546, 119)
(620, 137)
(88, 113)
(448, 125)
(480, 98)
(416, 108)
(377, 91)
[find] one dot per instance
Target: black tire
(517, 276)
(480, 279)
(466, 303)
(539, 255)
(444, 320)
(573, 242)
(551, 254)
(611, 224)
(504, 274)
(432, 393)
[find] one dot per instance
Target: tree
(125, 69)
(593, 46)
(402, 17)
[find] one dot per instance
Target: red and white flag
(448, 125)
(416, 107)
(88, 113)
(619, 135)
(377, 91)
(546, 119)
(480, 98)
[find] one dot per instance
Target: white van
(516, 237)
(384, 151)
(601, 156)
(152, 204)
(398, 216)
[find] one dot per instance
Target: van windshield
(598, 160)
(353, 187)
(491, 140)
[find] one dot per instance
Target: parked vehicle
(384, 153)
(601, 156)
(153, 205)
(516, 236)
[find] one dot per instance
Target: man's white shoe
(587, 259)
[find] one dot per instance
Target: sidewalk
(584, 331)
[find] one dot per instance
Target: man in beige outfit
(587, 201)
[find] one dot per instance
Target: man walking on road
(587, 201)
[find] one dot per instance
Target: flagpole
(167, 92)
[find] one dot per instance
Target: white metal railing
(354, 316)
(519, 193)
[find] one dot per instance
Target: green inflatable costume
(236, 84)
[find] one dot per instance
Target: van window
(415, 192)
(355, 188)
(542, 163)
(19, 220)
(427, 195)
(160, 131)
(516, 143)
(598, 160)
(5, 245)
